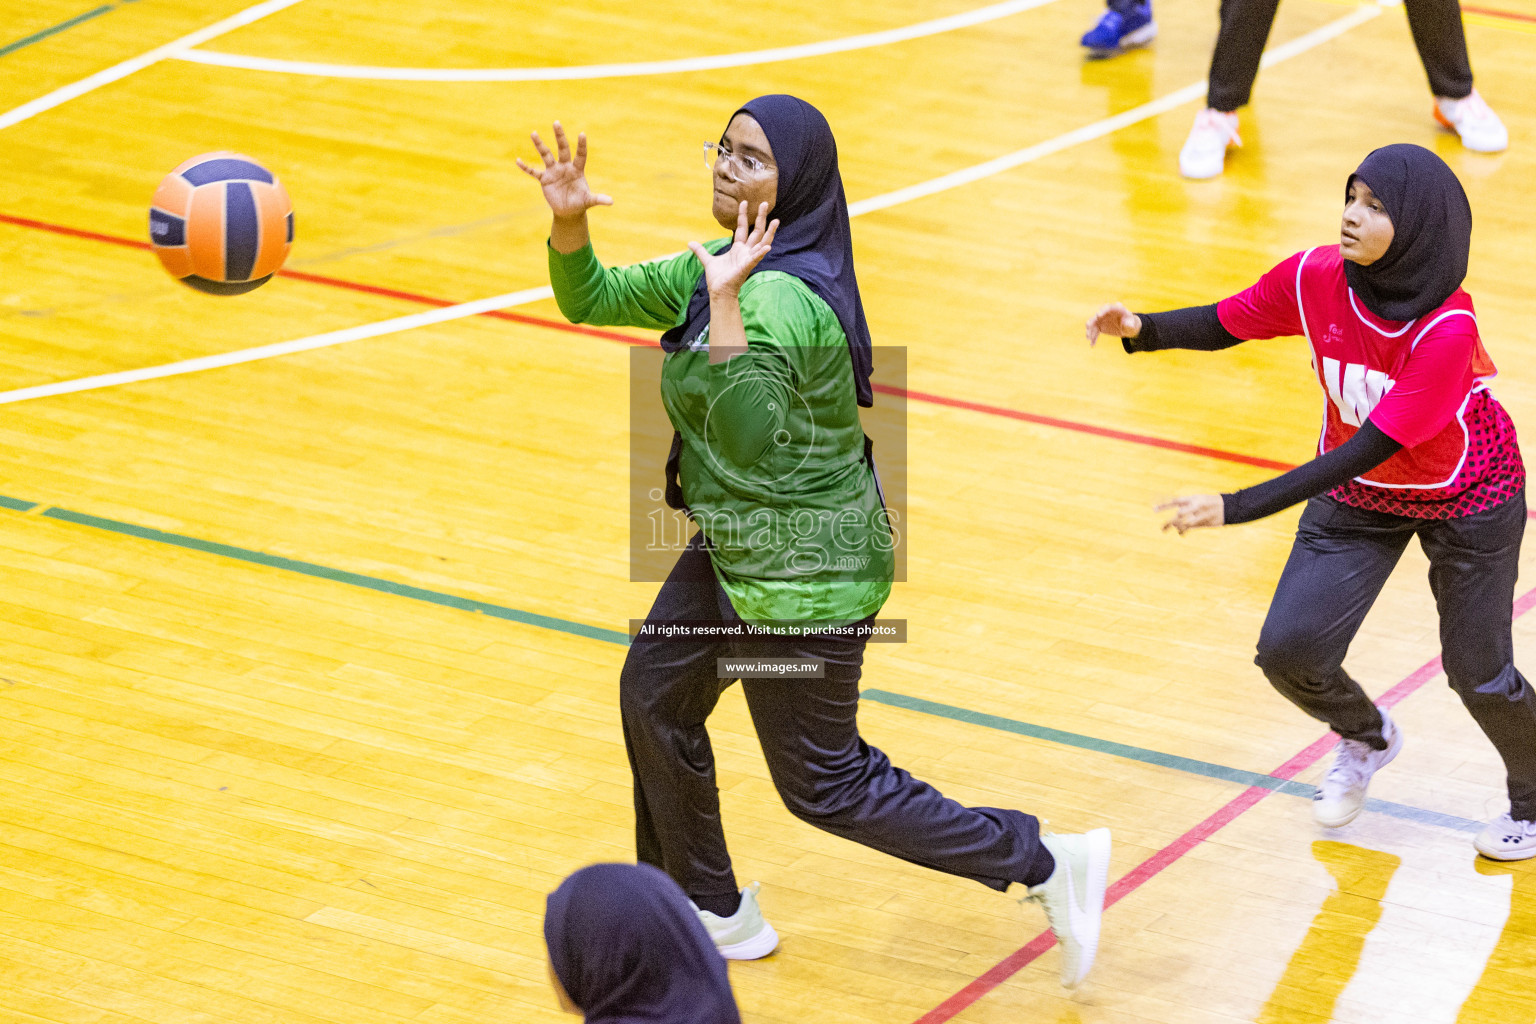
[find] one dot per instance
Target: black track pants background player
(827, 775)
(1245, 24)
(1340, 561)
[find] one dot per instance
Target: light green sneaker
(745, 935)
(1073, 898)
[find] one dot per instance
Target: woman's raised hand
(564, 179)
(1114, 320)
(724, 274)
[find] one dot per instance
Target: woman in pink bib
(1412, 443)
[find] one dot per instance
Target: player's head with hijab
(778, 150)
(1406, 232)
(626, 947)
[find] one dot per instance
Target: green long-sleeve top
(772, 465)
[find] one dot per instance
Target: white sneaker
(1205, 151)
(1479, 127)
(1507, 839)
(1073, 898)
(745, 935)
(1341, 797)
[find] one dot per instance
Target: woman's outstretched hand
(1114, 320)
(724, 274)
(1194, 511)
(563, 178)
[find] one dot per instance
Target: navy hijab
(1432, 233)
(813, 242)
(629, 949)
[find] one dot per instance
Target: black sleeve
(1369, 448)
(1195, 327)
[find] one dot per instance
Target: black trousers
(1339, 563)
(1245, 24)
(826, 774)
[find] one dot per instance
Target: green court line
(62, 26)
(338, 575)
(897, 700)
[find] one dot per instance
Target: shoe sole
(1501, 855)
(1098, 883)
(1392, 750)
(755, 948)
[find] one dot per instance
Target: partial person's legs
(1442, 45)
(666, 690)
(1339, 562)
(1341, 559)
(829, 777)
(1473, 563)
(1245, 28)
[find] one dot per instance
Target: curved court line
(1299, 45)
(139, 63)
(937, 26)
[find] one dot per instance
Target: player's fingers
(529, 170)
(741, 221)
(599, 199)
(581, 151)
(773, 229)
(699, 251)
(538, 144)
(563, 143)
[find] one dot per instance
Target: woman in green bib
(767, 361)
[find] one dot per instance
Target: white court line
(1299, 45)
(139, 63)
(282, 348)
(1098, 129)
(966, 19)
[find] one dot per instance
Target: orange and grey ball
(221, 223)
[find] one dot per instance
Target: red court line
(1086, 428)
(1149, 868)
(1490, 12)
(627, 339)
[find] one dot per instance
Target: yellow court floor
(309, 659)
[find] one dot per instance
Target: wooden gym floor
(308, 662)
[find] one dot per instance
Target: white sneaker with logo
(746, 934)
(1479, 127)
(1205, 151)
(1507, 838)
(1073, 898)
(1341, 796)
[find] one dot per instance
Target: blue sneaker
(1116, 31)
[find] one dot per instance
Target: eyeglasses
(715, 153)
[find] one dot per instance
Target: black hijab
(629, 949)
(1432, 233)
(813, 241)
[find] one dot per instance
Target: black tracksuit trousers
(826, 774)
(1338, 565)
(1245, 24)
